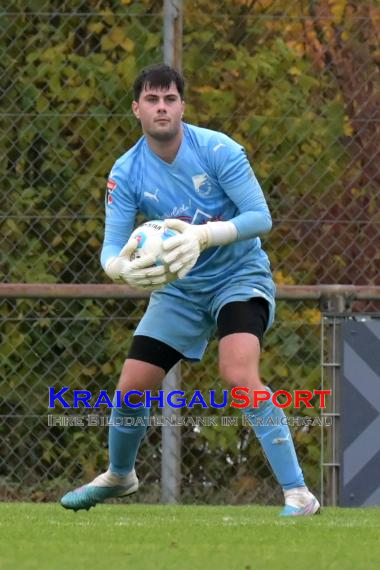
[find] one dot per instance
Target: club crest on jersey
(111, 185)
(202, 184)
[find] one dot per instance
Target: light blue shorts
(185, 320)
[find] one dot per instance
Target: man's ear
(135, 109)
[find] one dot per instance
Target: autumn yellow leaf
(347, 128)
(337, 8)
(95, 27)
(295, 71)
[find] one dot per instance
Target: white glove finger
(139, 282)
(148, 283)
(129, 248)
(159, 273)
(168, 258)
(138, 277)
(156, 271)
(143, 262)
(189, 260)
(176, 224)
(115, 266)
(173, 242)
(189, 247)
(160, 280)
(142, 284)
(185, 270)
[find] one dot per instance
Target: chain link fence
(66, 74)
(297, 85)
(218, 463)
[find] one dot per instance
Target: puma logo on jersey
(152, 196)
(218, 146)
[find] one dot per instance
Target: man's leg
(146, 366)
(239, 354)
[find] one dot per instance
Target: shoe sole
(315, 510)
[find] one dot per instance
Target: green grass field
(110, 537)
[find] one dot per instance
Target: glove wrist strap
(221, 233)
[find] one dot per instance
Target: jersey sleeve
(121, 209)
(239, 182)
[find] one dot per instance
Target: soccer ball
(150, 236)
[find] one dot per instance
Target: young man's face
(160, 112)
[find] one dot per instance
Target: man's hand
(141, 273)
(181, 252)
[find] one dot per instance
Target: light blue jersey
(209, 180)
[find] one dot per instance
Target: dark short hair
(159, 76)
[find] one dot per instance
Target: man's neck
(166, 150)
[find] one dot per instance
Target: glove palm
(141, 273)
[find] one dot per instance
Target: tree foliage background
(295, 82)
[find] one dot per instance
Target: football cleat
(299, 502)
(105, 486)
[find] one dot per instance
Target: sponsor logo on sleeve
(111, 186)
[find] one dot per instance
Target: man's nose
(161, 107)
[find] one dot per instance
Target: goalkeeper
(201, 183)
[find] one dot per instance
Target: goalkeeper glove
(141, 273)
(181, 252)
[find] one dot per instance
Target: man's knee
(239, 356)
(136, 377)
(235, 375)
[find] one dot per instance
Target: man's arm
(118, 247)
(121, 211)
(237, 179)
(239, 182)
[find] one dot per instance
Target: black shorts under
(239, 316)
(244, 316)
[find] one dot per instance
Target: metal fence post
(171, 445)
(171, 435)
(173, 31)
(333, 308)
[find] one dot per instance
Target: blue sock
(124, 440)
(277, 443)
